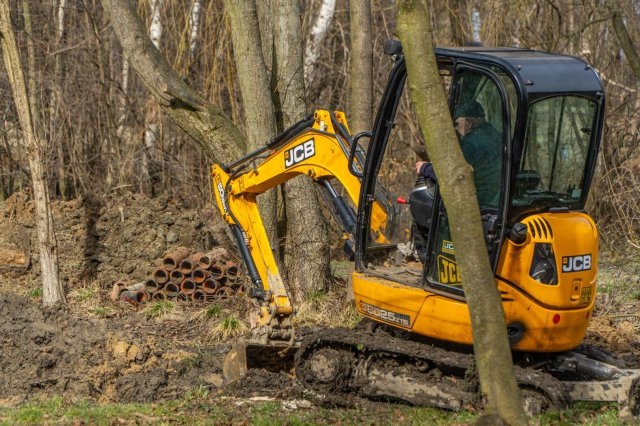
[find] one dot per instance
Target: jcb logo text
(448, 271)
(299, 153)
(576, 263)
(447, 247)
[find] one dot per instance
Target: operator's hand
(419, 166)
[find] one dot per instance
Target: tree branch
(204, 122)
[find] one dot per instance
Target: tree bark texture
(617, 21)
(455, 175)
(307, 247)
(52, 292)
(361, 73)
(218, 137)
(255, 90)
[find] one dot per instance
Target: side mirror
(392, 47)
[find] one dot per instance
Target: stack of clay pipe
(186, 276)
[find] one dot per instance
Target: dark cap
(468, 109)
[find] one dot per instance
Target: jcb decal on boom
(299, 153)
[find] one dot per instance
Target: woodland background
(106, 136)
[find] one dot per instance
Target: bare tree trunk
(457, 18)
(361, 74)
(52, 292)
(617, 21)
(218, 137)
(491, 346)
(307, 248)
(56, 100)
(256, 94)
(151, 130)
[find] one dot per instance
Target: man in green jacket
(481, 145)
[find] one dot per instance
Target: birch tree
(52, 292)
(194, 27)
(56, 99)
(318, 34)
(222, 141)
(455, 175)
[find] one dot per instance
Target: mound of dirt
(618, 337)
(103, 239)
(51, 353)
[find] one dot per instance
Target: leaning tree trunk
(455, 175)
(216, 135)
(52, 292)
(361, 73)
(307, 247)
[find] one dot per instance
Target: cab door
(480, 109)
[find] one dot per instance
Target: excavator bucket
(245, 355)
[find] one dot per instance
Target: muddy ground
(122, 354)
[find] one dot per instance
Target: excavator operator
(481, 146)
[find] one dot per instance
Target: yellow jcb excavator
(546, 112)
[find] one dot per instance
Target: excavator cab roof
(540, 72)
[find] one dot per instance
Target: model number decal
(576, 263)
(385, 315)
(299, 153)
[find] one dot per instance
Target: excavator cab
(536, 125)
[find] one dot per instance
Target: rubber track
(450, 362)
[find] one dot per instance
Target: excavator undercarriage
(377, 362)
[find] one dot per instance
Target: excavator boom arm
(319, 148)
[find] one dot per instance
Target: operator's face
(462, 126)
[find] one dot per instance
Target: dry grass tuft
(222, 320)
(87, 297)
(328, 309)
